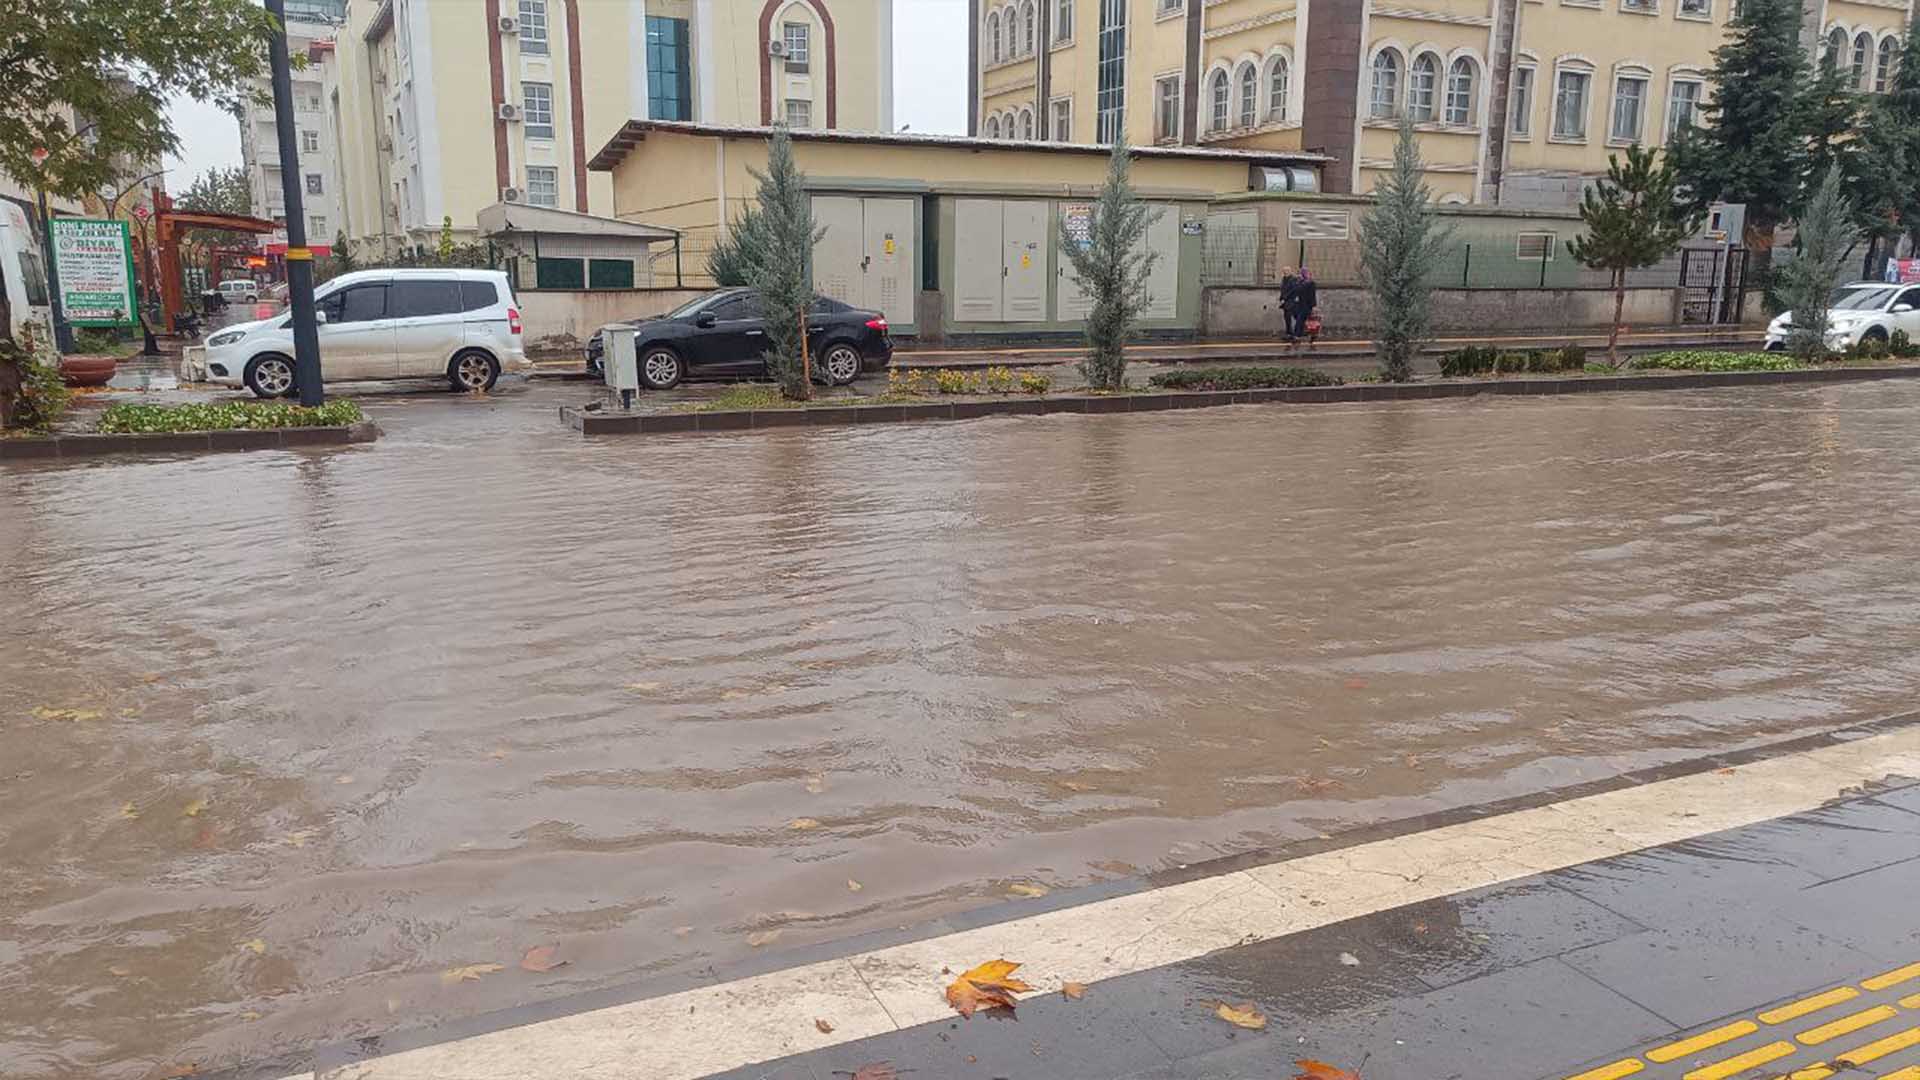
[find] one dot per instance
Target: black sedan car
(724, 335)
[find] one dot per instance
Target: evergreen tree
(1753, 148)
(734, 255)
(1111, 264)
(1400, 242)
(1890, 148)
(1831, 111)
(780, 277)
(1826, 235)
(1634, 218)
(444, 251)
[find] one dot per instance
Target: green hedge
(1707, 360)
(224, 416)
(1241, 378)
(1487, 360)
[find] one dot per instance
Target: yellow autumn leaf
(343, 779)
(1074, 991)
(854, 886)
(816, 784)
(803, 824)
(120, 970)
(468, 973)
(643, 687)
(762, 937)
(1031, 892)
(256, 946)
(249, 1015)
(988, 986)
(193, 808)
(1243, 1016)
(128, 811)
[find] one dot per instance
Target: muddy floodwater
(287, 737)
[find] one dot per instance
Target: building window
(1111, 97)
(1277, 90)
(993, 38)
(1420, 86)
(1683, 106)
(1026, 125)
(1029, 26)
(1168, 7)
(1249, 95)
(314, 185)
(1219, 96)
(609, 273)
(993, 127)
(1063, 20)
(1062, 119)
(1534, 247)
(1016, 33)
(309, 142)
(533, 26)
(798, 44)
(1460, 92)
(1384, 100)
(1629, 107)
(799, 113)
(1166, 109)
(537, 103)
(317, 226)
(1862, 47)
(559, 273)
(1883, 66)
(1522, 104)
(1836, 45)
(1696, 9)
(543, 185)
(1570, 104)
(669, 74)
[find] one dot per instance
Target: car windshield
(1861, 297)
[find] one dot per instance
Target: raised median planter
(618, 423)
(89, 445)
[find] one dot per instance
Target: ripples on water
(485, 685)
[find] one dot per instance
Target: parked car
(1862, 311)
(240, 291)
(459, 325)
(724, 335)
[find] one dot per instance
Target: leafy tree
(734, 255)
(1831, 112)
(1111, 264)
(1890, 150)
(1400, 242)
(780, 277)
(1754, 147)
(219, 191)
(1827, 233)
(1634, 218)
(444, 251)
(83, 91)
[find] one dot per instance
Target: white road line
(691, 1034)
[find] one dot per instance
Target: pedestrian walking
(1289, 286)
(1306, 297)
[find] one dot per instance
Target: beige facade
(446, 106)
(1518, 102)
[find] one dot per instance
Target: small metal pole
(1466, 261)
(1543, 269)
(678, 281)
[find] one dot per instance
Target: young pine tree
(1634, 218)
(780, 277)
(1827, 233)
(734, 255)
(1111, 264)
(1400, 241)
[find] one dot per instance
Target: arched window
(1384, 100)
(1883, 66)
(993, 127)
(1421, 83)
(1218, 95)
(1014, 34)
(1862, 48)
(993, 36)
(1249, 95)
(1026, 124)
(1837, 46)
(1030, 26)
(1460, 91)
(1277, 90)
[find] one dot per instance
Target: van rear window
(475, 295)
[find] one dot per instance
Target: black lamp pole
(306, 334)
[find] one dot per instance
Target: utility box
(619, 365)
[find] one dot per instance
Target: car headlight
(227, 338)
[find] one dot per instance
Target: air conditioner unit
(509, 25)
(510, 194)
(777, 49)
(509, 111)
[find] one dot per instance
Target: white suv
(458, 325)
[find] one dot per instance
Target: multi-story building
(448, 106)
(313, 27)
(1517, 102)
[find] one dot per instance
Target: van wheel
(473, 372)
(661, 368)
(270, 376)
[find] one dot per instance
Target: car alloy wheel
(661, 369)
(272, 377)
(842, 363)
(473, 372)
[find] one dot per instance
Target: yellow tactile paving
(1846, 1025)
(1910, 1002)
(1673, 1051)
(1734, 1066)
(1796, 1010)
(1912, 1072)
(1811, 1072)
(1892, 978)
(1880, 1048)
(1611, 1072)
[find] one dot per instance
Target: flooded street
(289, 736)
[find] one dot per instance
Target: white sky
(929, 87)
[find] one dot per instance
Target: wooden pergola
(168, 225)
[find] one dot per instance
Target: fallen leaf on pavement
(499, 753)
(343, 779)
(297, 838)
(180, 1071)
(879, 1070)
(1031, 892)
(257, 947)
(988, 986)
(682, 931)
(825, 1028)
(1356, 684)
(762, 937)
(1115, 866)
(45, 713)
(1074, 991)
(249, 1015)
(816, 784)
(1317, 783)
(541, 958)
(127, 811)
(1075, 785)
(643, 687)
(120, 970)
(1347, 959)
(803, 824)
(1726, 772)
(1320, 1070)
(469, 973)
(853, 886)
(193, 808)
(1243, 1016)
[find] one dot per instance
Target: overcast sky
(929, 86)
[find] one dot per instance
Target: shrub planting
(1241, 378)
(1704, 360)
(225, 416)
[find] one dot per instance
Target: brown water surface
(285, 736)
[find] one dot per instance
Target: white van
(457, 325)
(22, 272)
(240, 290)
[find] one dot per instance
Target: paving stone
(784, 1069)
(1906, 798)
(1877, 911)
(1673, 885)
(1461, 937)
(1733, 959)
(1833, 841)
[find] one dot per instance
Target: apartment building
(1517, 102)
(448, 106)
(313, 29)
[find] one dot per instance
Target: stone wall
(561, 320)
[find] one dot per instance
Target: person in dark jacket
(1305, 298)
(1289, 286)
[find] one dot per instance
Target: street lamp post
(306, 335)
